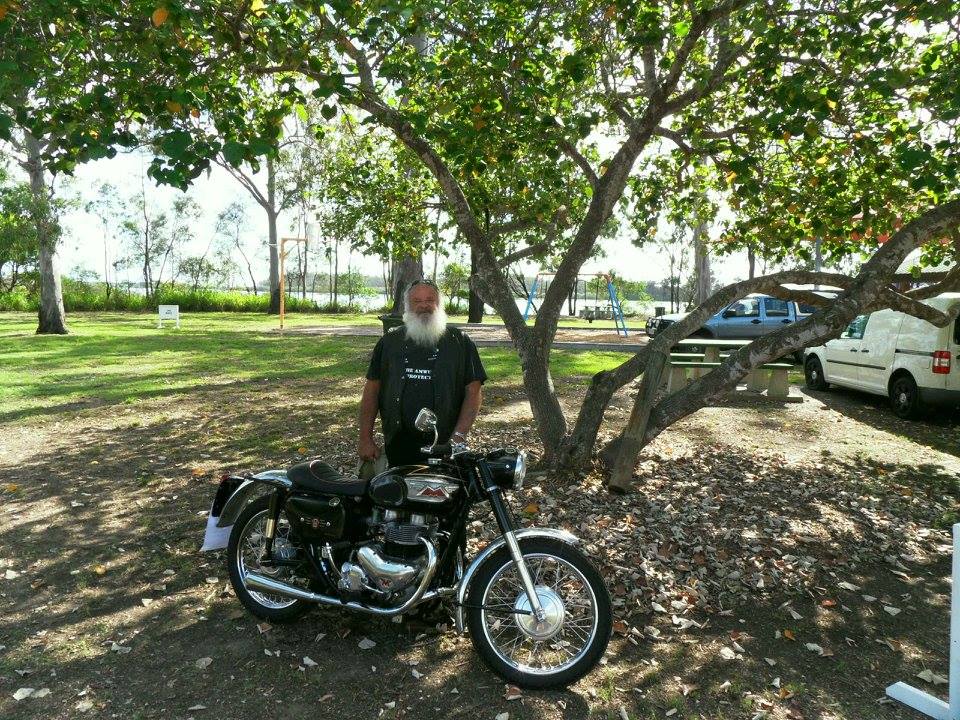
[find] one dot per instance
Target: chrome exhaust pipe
(252, 581)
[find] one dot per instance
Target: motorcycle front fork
(505, 521)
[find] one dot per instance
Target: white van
(889, 353)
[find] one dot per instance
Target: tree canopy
(810, 119)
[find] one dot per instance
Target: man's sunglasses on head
(424, 281)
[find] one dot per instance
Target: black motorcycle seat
(318, 476)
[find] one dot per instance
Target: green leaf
(328, 111)
(233, 152)
(260, 146)
(175, 144)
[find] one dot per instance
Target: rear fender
(246, 491)
(233, 495)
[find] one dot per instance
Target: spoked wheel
(244, 553)
(572, 637)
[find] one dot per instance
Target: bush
(332, 307)
(78, 295)
(19, 300)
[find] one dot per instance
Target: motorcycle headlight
(519, 470)
(507, 468)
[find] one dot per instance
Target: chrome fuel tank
(417, 488)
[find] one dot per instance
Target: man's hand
(368, 449)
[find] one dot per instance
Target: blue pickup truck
(749, 317)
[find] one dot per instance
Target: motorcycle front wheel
(570, 640)
(244, 554)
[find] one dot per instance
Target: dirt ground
(773, 561)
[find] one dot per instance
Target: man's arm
(470, 408)
(367, 448)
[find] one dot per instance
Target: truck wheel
(813, 372)
(905, 398)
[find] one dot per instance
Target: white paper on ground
(216, 537)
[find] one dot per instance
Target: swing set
(613, 306)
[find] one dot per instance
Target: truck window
(747, 307)
(855, 329)
(776, 307)
(805, 309)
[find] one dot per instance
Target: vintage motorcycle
(536, 608)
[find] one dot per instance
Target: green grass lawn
(122, 357)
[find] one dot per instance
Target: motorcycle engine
(396, 563)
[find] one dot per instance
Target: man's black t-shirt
(418, 392)
(418, 365)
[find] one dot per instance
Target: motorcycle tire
(273, 608)
(566, 583)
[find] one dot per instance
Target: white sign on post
(168, 312)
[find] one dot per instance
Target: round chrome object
(566, 632)
(520, 470)
(552, 605)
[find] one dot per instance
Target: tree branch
(571, 152)
(525, 252)
(894, 300)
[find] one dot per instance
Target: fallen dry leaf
(931, 677)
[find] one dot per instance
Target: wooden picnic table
(712, 346)
(771, 377)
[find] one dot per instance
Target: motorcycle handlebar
(443, 449)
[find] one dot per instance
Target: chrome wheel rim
(250, 551)
(566, 633)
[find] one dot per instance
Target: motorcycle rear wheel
(243, 552)
(573, 637)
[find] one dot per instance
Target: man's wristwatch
(462, 437)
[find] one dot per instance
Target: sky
(83, 244)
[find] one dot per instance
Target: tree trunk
(544, 404)
(405, 271)
(475, 302)
(701, 260)
(106, 266)
(752, 259)
(336, 273)
(273, 241)
(632, 439)
(52, 318)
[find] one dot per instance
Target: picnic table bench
(771, 377)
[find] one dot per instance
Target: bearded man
(422, 364)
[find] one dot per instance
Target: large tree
(742, 83)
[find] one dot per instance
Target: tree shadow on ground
(103, 512)
(939, 428)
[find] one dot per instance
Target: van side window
(776, 307)
(855, 329)
(956, 333)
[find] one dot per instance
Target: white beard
(425, 332)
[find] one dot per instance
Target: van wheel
(813, 372)
(905, 398)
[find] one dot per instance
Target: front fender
(552, 533)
